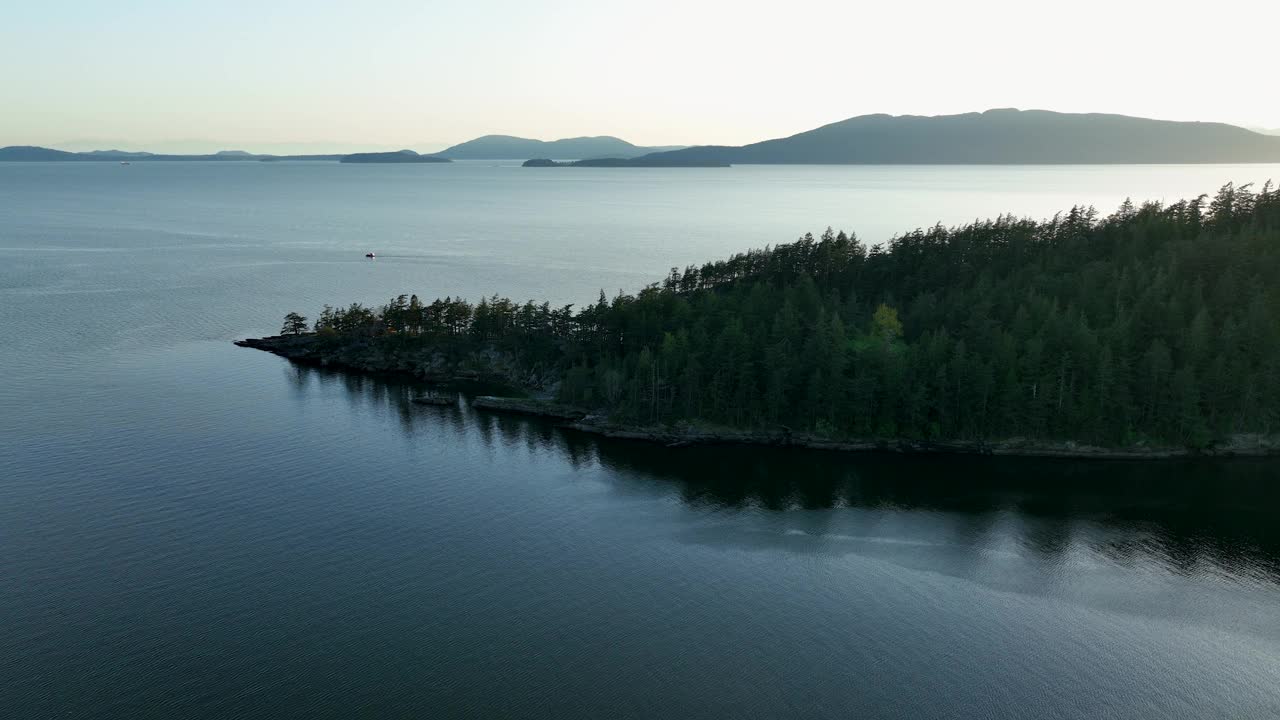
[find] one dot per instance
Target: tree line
(1156, 323)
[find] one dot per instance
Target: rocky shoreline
(529, 406)
(687, 435)
(305, 349)
(414, 362)
(437, 400)
(1253, 446)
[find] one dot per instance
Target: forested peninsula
(1151, 332)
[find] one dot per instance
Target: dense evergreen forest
(1155, 324)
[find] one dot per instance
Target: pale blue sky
(296, 76)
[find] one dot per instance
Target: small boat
(369, 255)
(124, 162)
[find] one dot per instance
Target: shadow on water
(1182, 511)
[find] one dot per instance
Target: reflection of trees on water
(1181, 513)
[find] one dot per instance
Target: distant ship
(124, 162)
(369, 255)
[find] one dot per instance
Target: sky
(316, 76)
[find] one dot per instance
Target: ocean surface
(193, 530)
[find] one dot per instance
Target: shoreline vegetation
(1150, 333)
(307, 350)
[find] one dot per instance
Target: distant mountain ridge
(1001, 136)
(1004, 136)
(510, 147)
(32, 153)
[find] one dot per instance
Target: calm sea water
(188, 529)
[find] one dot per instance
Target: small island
(1149, 333)
(647, 161)
(399, 156)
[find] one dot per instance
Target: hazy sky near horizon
(297, 76)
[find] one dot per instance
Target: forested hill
(1155, 324)
(508, 147)
(999, 137)
(399, 156)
